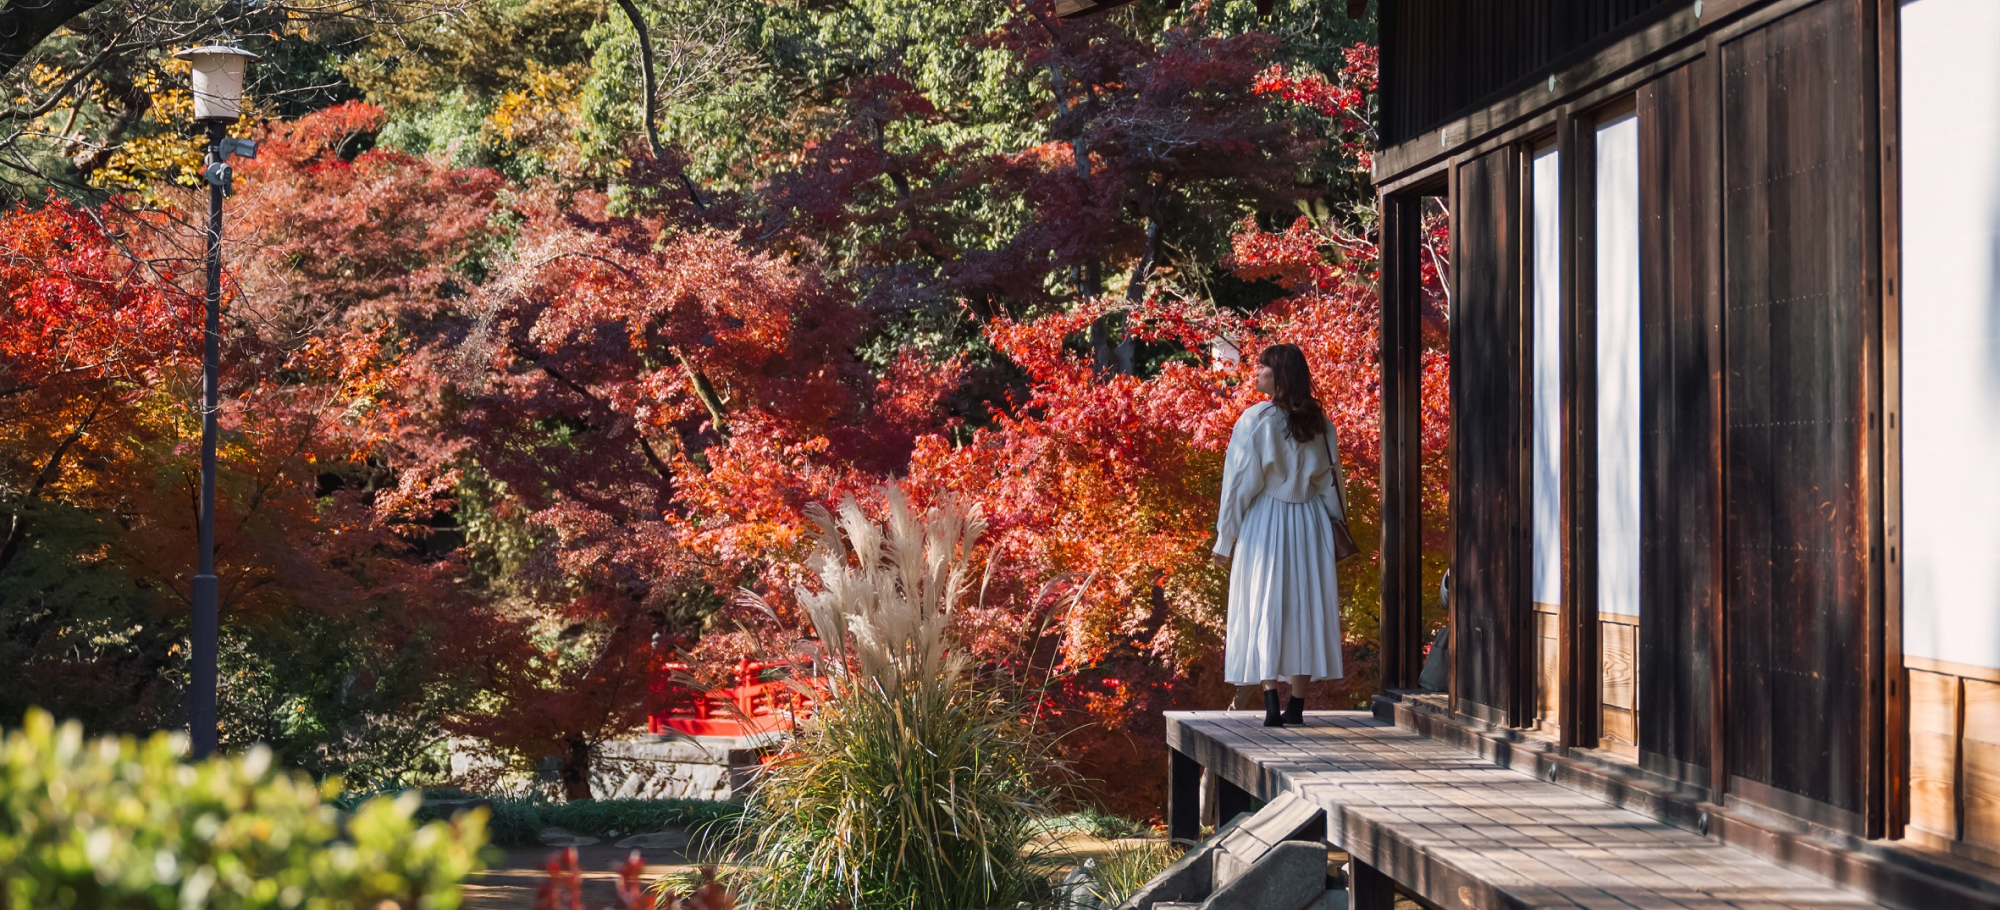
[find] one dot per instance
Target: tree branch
(24, 23)
(645, 445)
(17, 526)
(653, 130)
(697, 380)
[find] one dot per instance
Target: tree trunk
(24, 23)
(576, 772)
(1125, 359)
(652, 129)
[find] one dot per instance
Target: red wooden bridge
(766, 697)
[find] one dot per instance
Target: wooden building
(1725, 394)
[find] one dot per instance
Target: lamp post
(218, 97)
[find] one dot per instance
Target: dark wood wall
(1679, 319)
(1442, 57)
(1796, 184)
(1759, 655)
(1488, 597)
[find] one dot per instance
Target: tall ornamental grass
(916, 784)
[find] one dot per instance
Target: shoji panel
(1951, 330)
(1620, 381)
(1950, 186)
(1546, 474)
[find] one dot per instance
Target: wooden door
(1489, 644)
(1675, 649)
(1797, 531)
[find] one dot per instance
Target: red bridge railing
(767, 697)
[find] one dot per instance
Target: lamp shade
(218, 80)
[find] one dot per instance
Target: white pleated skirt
(1284, 595)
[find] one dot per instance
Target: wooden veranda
(1724, 529)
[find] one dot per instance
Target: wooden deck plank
(1463, 832)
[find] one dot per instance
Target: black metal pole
(207, 609)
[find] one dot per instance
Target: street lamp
(218, 99)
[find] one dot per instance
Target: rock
(1289, 876)
(1078, 890)
(557, 837)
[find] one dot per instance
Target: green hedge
(115, 822)
(520, 822)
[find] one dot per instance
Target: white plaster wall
(1950, 87)
(1547, 322)
(1618, 366)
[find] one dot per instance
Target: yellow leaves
(146, 160)
(549, 93)
(45, 76)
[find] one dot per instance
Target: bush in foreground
(915, 785)
(116, 822)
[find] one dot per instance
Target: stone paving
(1465, 833)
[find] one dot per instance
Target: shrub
(116, 822)
(1097, 824)
(1128, 868)
(519, 822)
(914, 785)
(617, 817)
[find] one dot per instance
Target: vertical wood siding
(1442, 57)
(1679, 487)
(1402, 616)
(1487, 410)
(1796, 588)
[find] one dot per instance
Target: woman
(1281, 491)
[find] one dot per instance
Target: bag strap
(1339, 475)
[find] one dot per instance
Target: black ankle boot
(1295, 711)
(1271, 716)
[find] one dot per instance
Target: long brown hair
(1292, 391)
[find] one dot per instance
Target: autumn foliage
(499, 443)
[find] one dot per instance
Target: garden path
(512, 881)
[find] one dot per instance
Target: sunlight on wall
(1951, 330)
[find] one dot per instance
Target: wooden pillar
(1718, 408)
(1183, 797)
(1571, 658)
(1894, 738)
(1402, 618)
(1368, 888)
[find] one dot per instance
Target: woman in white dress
(1281, 490)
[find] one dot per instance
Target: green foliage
(745, 86)
(78, 633)
(1097, 824)
(484, 51)
(519, 822)
(117, 822)
(1128, 868)
(451, 128)
(614, 817)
